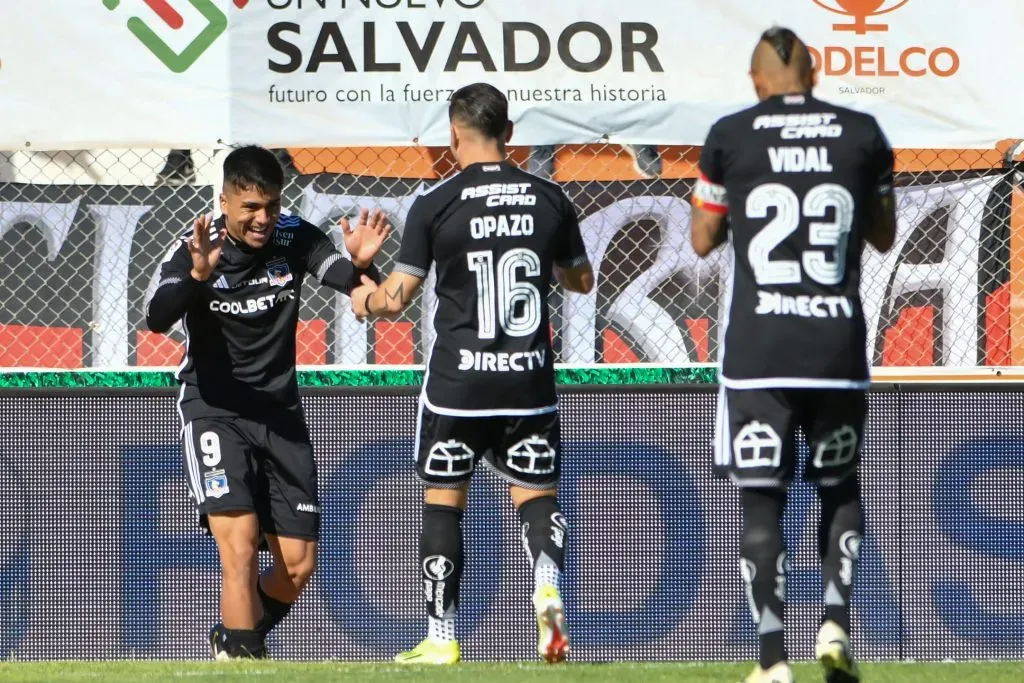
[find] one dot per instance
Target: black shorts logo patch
(216, 483)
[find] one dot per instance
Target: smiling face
(251, 198)
(250, 214)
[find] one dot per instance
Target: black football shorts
(524, 451)
(756, 431)
(233, 463)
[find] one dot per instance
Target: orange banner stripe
(597, 162)
(1017, 277)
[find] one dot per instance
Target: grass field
(288, 672)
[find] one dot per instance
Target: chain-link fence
(83, 233)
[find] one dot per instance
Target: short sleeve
(881, 161)
(709, 192)
(416, 253)
(572, 253)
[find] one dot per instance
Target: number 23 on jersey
(814, 263)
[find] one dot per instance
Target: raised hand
(205, 253)
(365, 240)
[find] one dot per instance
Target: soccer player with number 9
(235, 284)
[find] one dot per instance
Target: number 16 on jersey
(503, 299)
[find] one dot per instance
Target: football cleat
(222, 650)
(780, 673)
(219, 643)
(431, 652)
(832, 649)
(552, 635)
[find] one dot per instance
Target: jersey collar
(791, 98)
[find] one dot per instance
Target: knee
(761, 543)
(238, 556)
(841, 504)
(844, 493)
(761, 540)
(842, 515)
(761, 534)
(299, 567)
(442, 530)
(237, 537)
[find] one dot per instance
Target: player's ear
(223, 203)
(759, 84)
(508, 131)
(455, 138)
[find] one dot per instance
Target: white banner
(202, 73)
(99, 255)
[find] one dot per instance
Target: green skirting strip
(618, 375)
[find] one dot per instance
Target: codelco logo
(216, 23)
(874, 59)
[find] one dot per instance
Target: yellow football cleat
(780, 673)
(431, 652)
(552, 635)
(832, 649)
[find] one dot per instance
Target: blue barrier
(100, 556)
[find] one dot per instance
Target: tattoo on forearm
(398, 294)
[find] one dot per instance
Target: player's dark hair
(482, 107)
(253, 167)
(782, 40)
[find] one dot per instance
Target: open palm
(204, 251)
(366, 238)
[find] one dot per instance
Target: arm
(391, 298)
(579, 279)
(413, 263)
(709, 224)
(341, 275)
(881, 232)
(881, 228)
(182, 273)
(332, 269)
(572, 265)
(707, 231)
(176, 291)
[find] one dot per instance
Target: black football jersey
(240, 324)
(494, 233)
(795, 176)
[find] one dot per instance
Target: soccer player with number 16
(498, 236)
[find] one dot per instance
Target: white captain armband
(710, 196)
